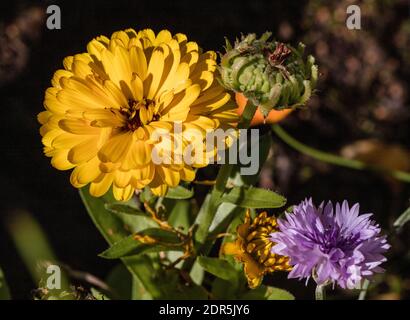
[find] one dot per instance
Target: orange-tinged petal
(231, 248)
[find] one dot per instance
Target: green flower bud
(270, 74)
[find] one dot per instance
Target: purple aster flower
(334, 246)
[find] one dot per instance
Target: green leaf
(273, 293)
(224, 290)
(219, 268)
(197, 273)
(117, 208)
(35, 250)
(161, 235)
(125, 247)
(130, 246)
(403, 219)
(180, 216)
(267, 293)
(254, 198)
(119, 281)
(98, 294)
(174, 289)
(265, 141)
(179, 193)
(4, 289)
(133, 219)
(112, 229)
(138, 291)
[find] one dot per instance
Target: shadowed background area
(361, 111)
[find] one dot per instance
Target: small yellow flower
(106, 107)
(253, 248)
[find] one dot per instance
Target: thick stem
(363, 291)
(320, 292)
(221, 180)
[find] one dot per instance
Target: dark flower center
(332, 238)
(139, 113)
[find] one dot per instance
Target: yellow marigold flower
(106, 104)
(253, 248)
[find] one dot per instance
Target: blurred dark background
(361, 110)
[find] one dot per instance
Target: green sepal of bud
(271, 74)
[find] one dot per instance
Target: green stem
(363, 291)
(320, 292)
(334, 159)
(221, 180)
(247, 115)
(135, 285)
(4, 288)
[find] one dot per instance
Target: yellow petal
(148, 36)
(116, 148)
(116, 93)
(95, 47)
(155, 69)
(88, 171)
(210, 105)
(170, 177)
(122, 37)
(253, 271)
(138, 62)
(123, 194)
(65, 140)
(83, 151)
(60, 160)
(58, 75)
(187, 174)
(78, 126)
(138, 155)
(108, 167)
(179, 108)
(109, 63)
(179, 77)
(122, 64)
(43, 117)
(137, 88)
(68, 62)
(122, 178)
(163, 36)
(101, 185)
(159, 191)
(81, 69)
(52, 104)
(142, 176)
(231, 248)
